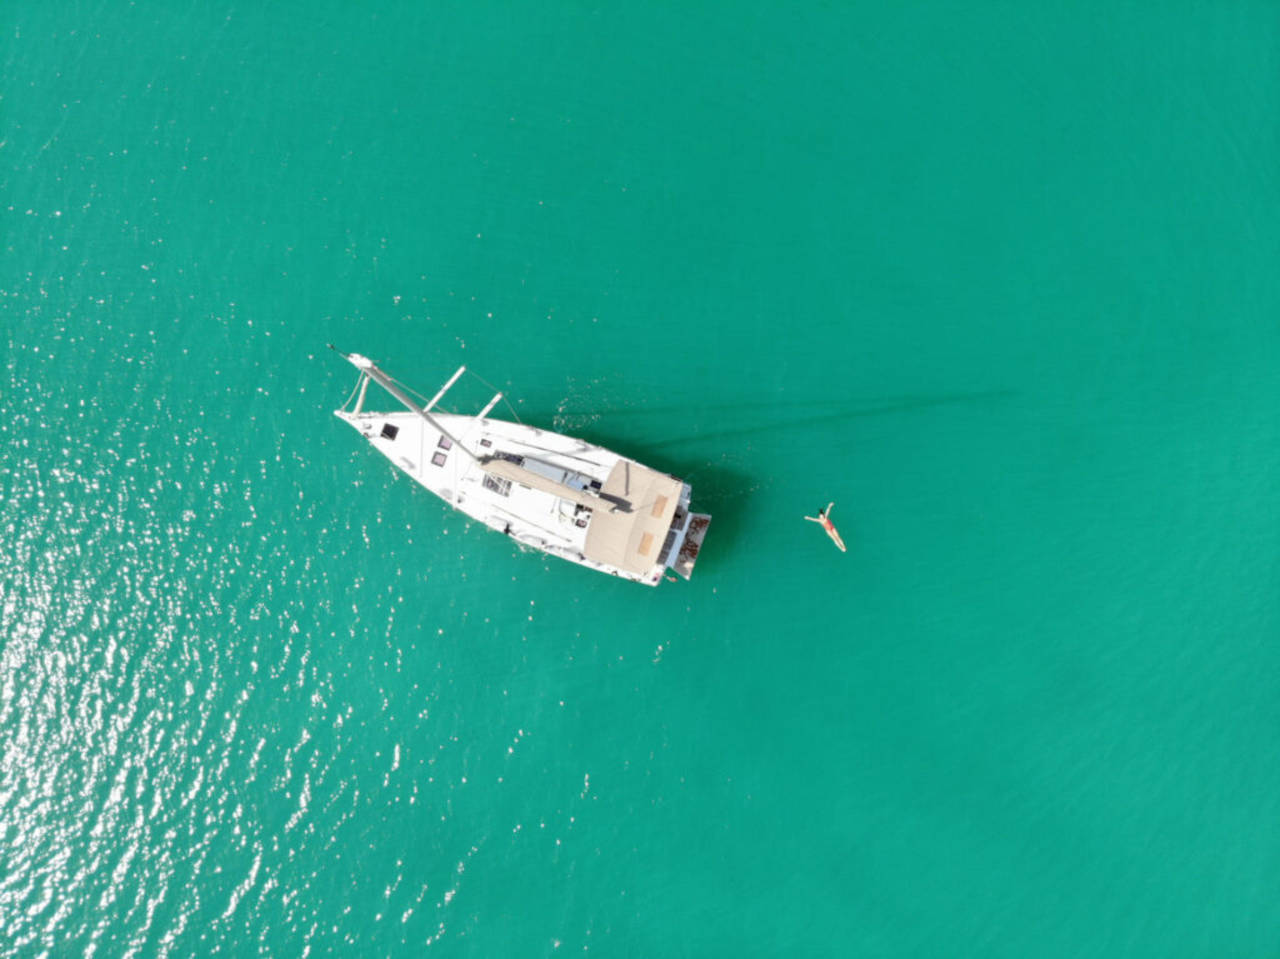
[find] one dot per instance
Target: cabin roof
(632, 539)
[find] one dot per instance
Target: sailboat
(553, 493)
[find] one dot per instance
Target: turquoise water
(1000, 280)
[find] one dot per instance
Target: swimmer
(824, 518)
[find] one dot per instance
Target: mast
(371, 371)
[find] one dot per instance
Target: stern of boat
(693, 537)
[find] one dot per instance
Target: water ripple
(153, 648)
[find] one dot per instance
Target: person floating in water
(824, 518)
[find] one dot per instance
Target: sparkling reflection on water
(153, 643)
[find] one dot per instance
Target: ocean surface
(1000, 280)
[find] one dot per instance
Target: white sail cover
(518, 474)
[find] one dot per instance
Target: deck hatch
(498, 484)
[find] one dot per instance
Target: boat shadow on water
(724, 492)
(796, 414)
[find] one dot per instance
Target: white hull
(564, 496)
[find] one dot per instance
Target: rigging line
(421, 396)
(512, 409)
(407, 388)
(353, 393)
(505, 399)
